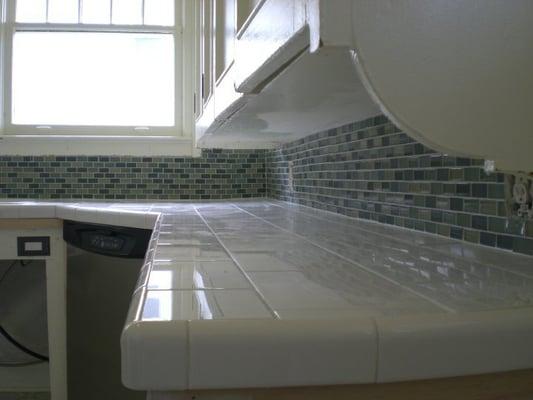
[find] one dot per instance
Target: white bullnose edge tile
(144, 273)
(64, 211)
(135, 308)
(150, 219)
(277, 353)
(155, 355)
(88, 214)
(105, 216)
(138, 219)
(445, 345)
(110, 217)
(9, 211)
(197, 275)
(183, 305)
(37, 210)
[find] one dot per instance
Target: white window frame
(176, 140)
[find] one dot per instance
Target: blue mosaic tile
(216, 174)
(370, 169)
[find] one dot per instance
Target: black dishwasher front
(103, 265)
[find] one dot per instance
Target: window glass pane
(63, 11)
(159, 12)
(31, 11)
(127, 12)
(96, 12)
(88, 78)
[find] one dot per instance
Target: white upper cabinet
(456, 75)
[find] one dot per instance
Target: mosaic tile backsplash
(372, 170)
(368, 169)
(217, 174)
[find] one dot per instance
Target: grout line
(377, 180)
(350, 132)
(344, 143)
(349, 152)
(351, 190)
(309, 198)
(362, 160)
(397, 169)
(229, 253)
(404, 216)
(357, 264)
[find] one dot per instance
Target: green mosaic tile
(496, 225)
(471, 236)
(419, 201)
(464, 220)
(456, 174)
(523, 245)
(471, 206)
(471, 174)
(221, 174)
(443, 230)
(449, 196)
(496, 191)
(430, 227)
(488, 207)
(424, 215)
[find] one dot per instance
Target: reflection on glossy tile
(135, 308)
(465, 279)
(255, 242)
(187, 237)
(342, 291)
(295, 290)
(263, 261)
(307, 263)
(324, 313)
(197, 275)
(188, 253)
(167, 305)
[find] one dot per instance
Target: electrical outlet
(519, 195)
(290, 176)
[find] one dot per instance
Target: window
(97, 67)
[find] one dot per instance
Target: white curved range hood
(455, 74)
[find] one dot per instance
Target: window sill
(38, 145)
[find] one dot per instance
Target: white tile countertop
(271, 294)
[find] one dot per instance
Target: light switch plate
(33, 246)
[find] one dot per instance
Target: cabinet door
(206, 49)
(225, 31)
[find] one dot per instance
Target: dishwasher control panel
(100, 241)
(116, 241)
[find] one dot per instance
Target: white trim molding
(98, 140)
(38, 145)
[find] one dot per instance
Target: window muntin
(93, 67)
(121, 12)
